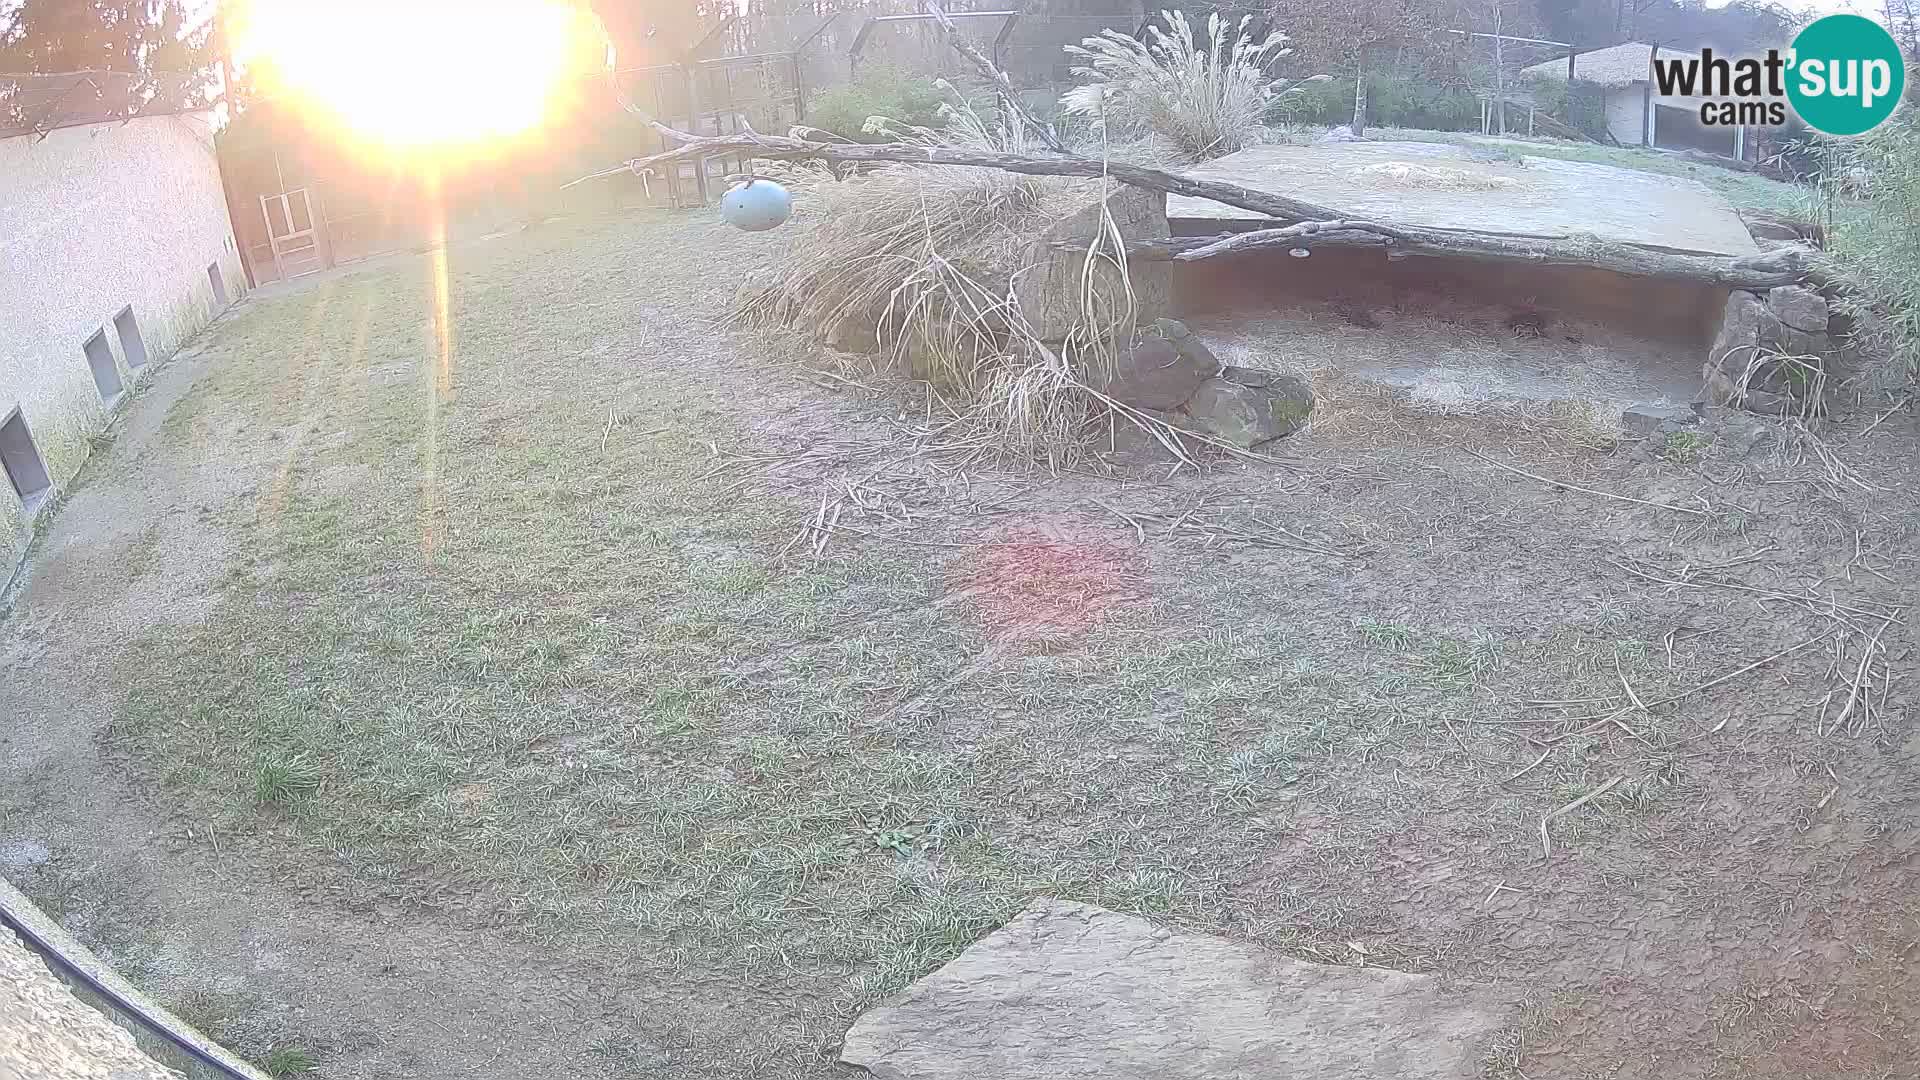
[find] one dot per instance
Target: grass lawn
(517, 629)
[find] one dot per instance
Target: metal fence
(298, 208)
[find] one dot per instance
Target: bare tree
(1348, 33)
(1902, 20)
(1499, 66)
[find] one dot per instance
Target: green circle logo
(1845, 74)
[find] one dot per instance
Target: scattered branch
(1546, 841)
(1190, 522)
(1587, 490)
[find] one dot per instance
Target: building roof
(1619, 66)
(37, 104)
(1616, 65)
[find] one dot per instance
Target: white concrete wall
(93, 219)
(1626, 109)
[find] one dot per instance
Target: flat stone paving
(1067, 990)
(1452, 187)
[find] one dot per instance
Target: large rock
(1247, 407)
(1049, 287)
(1156, 375)
(1647, 420)
(1764, 226)
(1130, 441)
(1801, 317)
(1798, 308)
(1164, 368)
(1069, 990)
(1746, 323)
(1195, 350)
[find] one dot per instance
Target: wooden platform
(1455, 187)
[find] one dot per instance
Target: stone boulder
(1791, 320)
(1801, 315)
(1176, 332)
(1764, 226)
(1156, 375)
(1649, 421)
(1799, 307)
(1246, 407)
(1072, 990)
(1746, 323)
(1127, 439)
(1049, 286)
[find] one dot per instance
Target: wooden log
(1781, 266)
(1308, 224)
(782, 148)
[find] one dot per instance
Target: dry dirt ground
(437, 696)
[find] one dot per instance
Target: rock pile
(1789, 320)
(1170, 374)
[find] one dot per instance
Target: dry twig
(1586, 490)
(1546, 841)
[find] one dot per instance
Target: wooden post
(1360, 93)
(1499, 70)
(693, 122)
(1646, 102)
(799, 91)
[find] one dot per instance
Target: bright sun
(418, 76)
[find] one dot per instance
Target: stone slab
(1071, 990)
(1445, 186)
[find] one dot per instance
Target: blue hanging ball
(756, 205)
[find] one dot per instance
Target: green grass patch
(282, 1062)
(285, 782)
(1684, 446)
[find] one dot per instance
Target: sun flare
(418, 76)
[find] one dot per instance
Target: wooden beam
(1308, 224)
(1781, 266)
(786, 147)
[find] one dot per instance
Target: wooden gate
(293, 234)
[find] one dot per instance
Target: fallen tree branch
(1314, 225)
(1550, 482)
(1781, 266)
(786, 148)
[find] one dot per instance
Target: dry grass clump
(1353, 410)
(1205, 98)
(925, 259)
(1801, 380)
(1420, 177)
